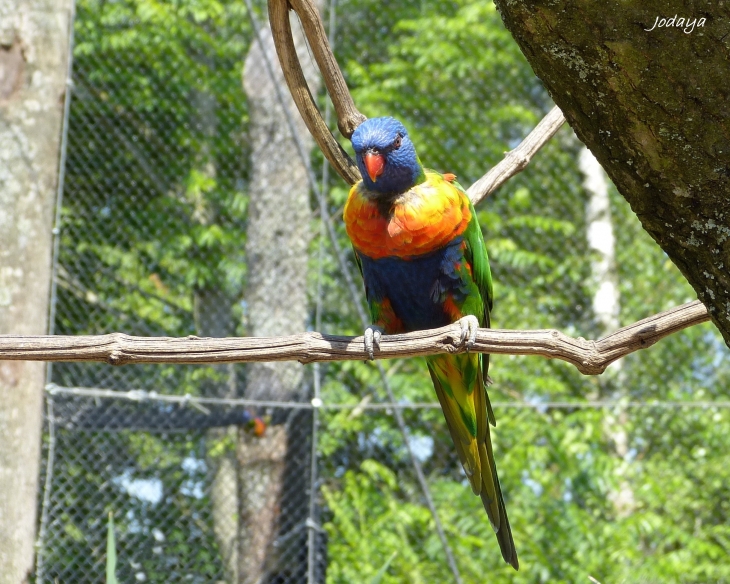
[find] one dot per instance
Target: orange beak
(374, 164)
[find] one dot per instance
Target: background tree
(272, 495)
(34, 50)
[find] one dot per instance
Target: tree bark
(261, 463)
(651, 102)
(34, 37)
(276, 295)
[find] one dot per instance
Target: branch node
(518, 160)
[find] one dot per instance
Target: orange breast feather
(420, 221)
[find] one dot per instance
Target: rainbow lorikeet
(422, 256)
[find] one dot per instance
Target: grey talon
(372, 339)
(369, 342)
(469, 327)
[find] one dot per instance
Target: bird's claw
(372, 338)
(469, 327)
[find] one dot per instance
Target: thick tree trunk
(34, 37)
(650, 99)
(277, 289)
(277, 249)
(261, 470)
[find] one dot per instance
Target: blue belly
(417, 287)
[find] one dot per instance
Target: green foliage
(155, 204)
(456, 78)
(155, 222)
(147, 478)
(373, 524)
(381, 573)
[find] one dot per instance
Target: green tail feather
(463, 399)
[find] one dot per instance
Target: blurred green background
(631, 493)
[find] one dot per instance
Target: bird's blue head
(386, 157)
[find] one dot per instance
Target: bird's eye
(398, 142)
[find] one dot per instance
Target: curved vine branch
(348, 116)
(589, 357)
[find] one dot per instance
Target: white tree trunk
(602, 243)
(606, 308)
(276, 296)
(279, 217)
(261, 463)
(34, 37)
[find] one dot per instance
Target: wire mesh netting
(213, 486)
(153, 466)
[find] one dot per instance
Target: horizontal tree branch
(589, 357)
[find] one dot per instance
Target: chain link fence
(207, 486)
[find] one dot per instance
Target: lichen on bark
(652, 103)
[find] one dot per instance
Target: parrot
(423, 260)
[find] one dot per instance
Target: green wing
(476, 256)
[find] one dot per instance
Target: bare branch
(517, 160)
(589, 357)
(348, 118)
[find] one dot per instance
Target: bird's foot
(469, 327)
(372, 339)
